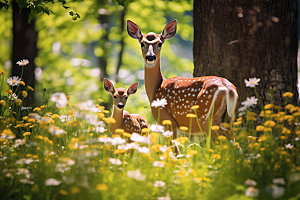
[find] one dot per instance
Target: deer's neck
(117, 114)
(153, 79)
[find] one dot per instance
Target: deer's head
(120, 95)
(151, 43)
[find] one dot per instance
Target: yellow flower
(286, 131)
(119, 130)
(251, 139)
(63, 192)
(30, 88)
(182, 140)
(75, 190)
(191, 115)
(146, 130)
(101, 115)
(222, 138)
(263, 138)
(215, 128)
(269, 123)
(260, 128)
(26, 133)
(126, 134)
(2, 72)
(22, 83)
(216, 156)
(100, 100)
(195, 107)
(225, 125)
(267, 129)
(268, 106)
(19, 102)
(166, 122)
(55, 116)
(287, 95)
(37, 109)
(237, 123)
(24, 94)
(3, 103)
(119, 151)
(183, 128)
(110, 120)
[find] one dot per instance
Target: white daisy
(136, 174)
(60, 99)
(22, 62)
(252, 82)
(13, 81)
(156, 128)
(13, 96)
(54, 130)
(252, 192)
(167, 133)
(250, 102)
(159, 184)
(52, 182)
(159, 103)
(289, 146)
(115, 161)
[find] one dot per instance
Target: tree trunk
(241, 39)
(24, 47)
(122, 42)
(104, 43)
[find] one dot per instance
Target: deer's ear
(133, 30)
(108, 86)
(169, 30)
(132, 89)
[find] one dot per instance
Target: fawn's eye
(159, 44)
(142, 45)
(126, 98)
(115, 97)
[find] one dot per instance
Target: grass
(68, 153)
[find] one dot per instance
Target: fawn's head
(151, 43)
(120, 95)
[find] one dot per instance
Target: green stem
(259, 100)
(198, 121)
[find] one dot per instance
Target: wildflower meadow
(64, 151)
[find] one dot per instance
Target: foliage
(64, 151)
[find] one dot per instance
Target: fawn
(212, 94)
(130, 123)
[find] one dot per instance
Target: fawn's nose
(120, 105)
(150, 56)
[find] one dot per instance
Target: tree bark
(24, 47)
(241, 39)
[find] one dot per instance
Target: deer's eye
(115, 97)
(142, 45)
(159, 44)
(126, 98)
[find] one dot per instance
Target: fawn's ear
(169, 30)
(132, 89)
(108, 86)
(133, 30)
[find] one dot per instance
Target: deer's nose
(120, 105)
(151, 57)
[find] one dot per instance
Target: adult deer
(212, 94)
(130, 123)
